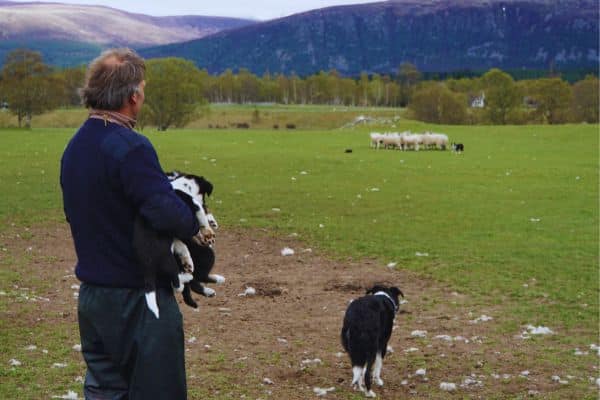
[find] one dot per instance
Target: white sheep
(375, 138)
(441, 140)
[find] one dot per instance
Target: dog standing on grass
(365, 334)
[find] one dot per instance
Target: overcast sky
(254, 9)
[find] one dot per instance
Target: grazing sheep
(375, 137)
(441, 140)
(411, 141)
(391, 140)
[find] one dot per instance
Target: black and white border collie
(185, 262)
(458, 147)
(366, 331)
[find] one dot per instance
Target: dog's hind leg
(183, 253)
(377, 369)
(357, 377)
(200, 289)
(214, 278)
(187, 297)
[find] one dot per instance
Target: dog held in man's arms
(367, 328)
(187, 262)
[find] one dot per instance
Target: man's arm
(148, 188)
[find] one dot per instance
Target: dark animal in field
(184, 262)
(365, 334)
(458, 147)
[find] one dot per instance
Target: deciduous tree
(173, 92)
(585, 103)
(434, 102)
(501, 95)
(28, 85)
(553, 98)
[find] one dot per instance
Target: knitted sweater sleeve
(149, 190)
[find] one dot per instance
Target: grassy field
(513, 221)
(227, 116)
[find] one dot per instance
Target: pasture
(509, 229)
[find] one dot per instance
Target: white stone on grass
(14, 362)
(322, 391)
(421, 372)
(483, 318)
(77, 347)
(535, 330)
(539, 330)
(286, 251)
(250, 291)
(59, 365)
(418, 333)
(314, 361)
(71, 395)
(448, 386)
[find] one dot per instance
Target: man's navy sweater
(109, 174)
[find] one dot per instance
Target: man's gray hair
(112, 78)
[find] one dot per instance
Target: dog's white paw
(379, 381)
(208, 292)
(370, 393)
(206, 236)
(183, 279)
(217, 278)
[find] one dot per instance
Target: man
(110, 174)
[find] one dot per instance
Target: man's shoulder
(121, 140)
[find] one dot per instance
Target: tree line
(177, 90)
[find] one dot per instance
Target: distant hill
(436, 35)
(68, 34)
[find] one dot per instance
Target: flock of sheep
(410, 141)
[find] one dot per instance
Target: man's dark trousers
(130, 354)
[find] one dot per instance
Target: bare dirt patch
(283, 341)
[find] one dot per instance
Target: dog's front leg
(205, 237)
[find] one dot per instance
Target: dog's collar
(381, 293)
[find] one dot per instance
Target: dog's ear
(395, 291)
(205, 186)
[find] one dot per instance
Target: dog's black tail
(345, 336)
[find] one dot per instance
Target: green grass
(475, 215)
(513, 221)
